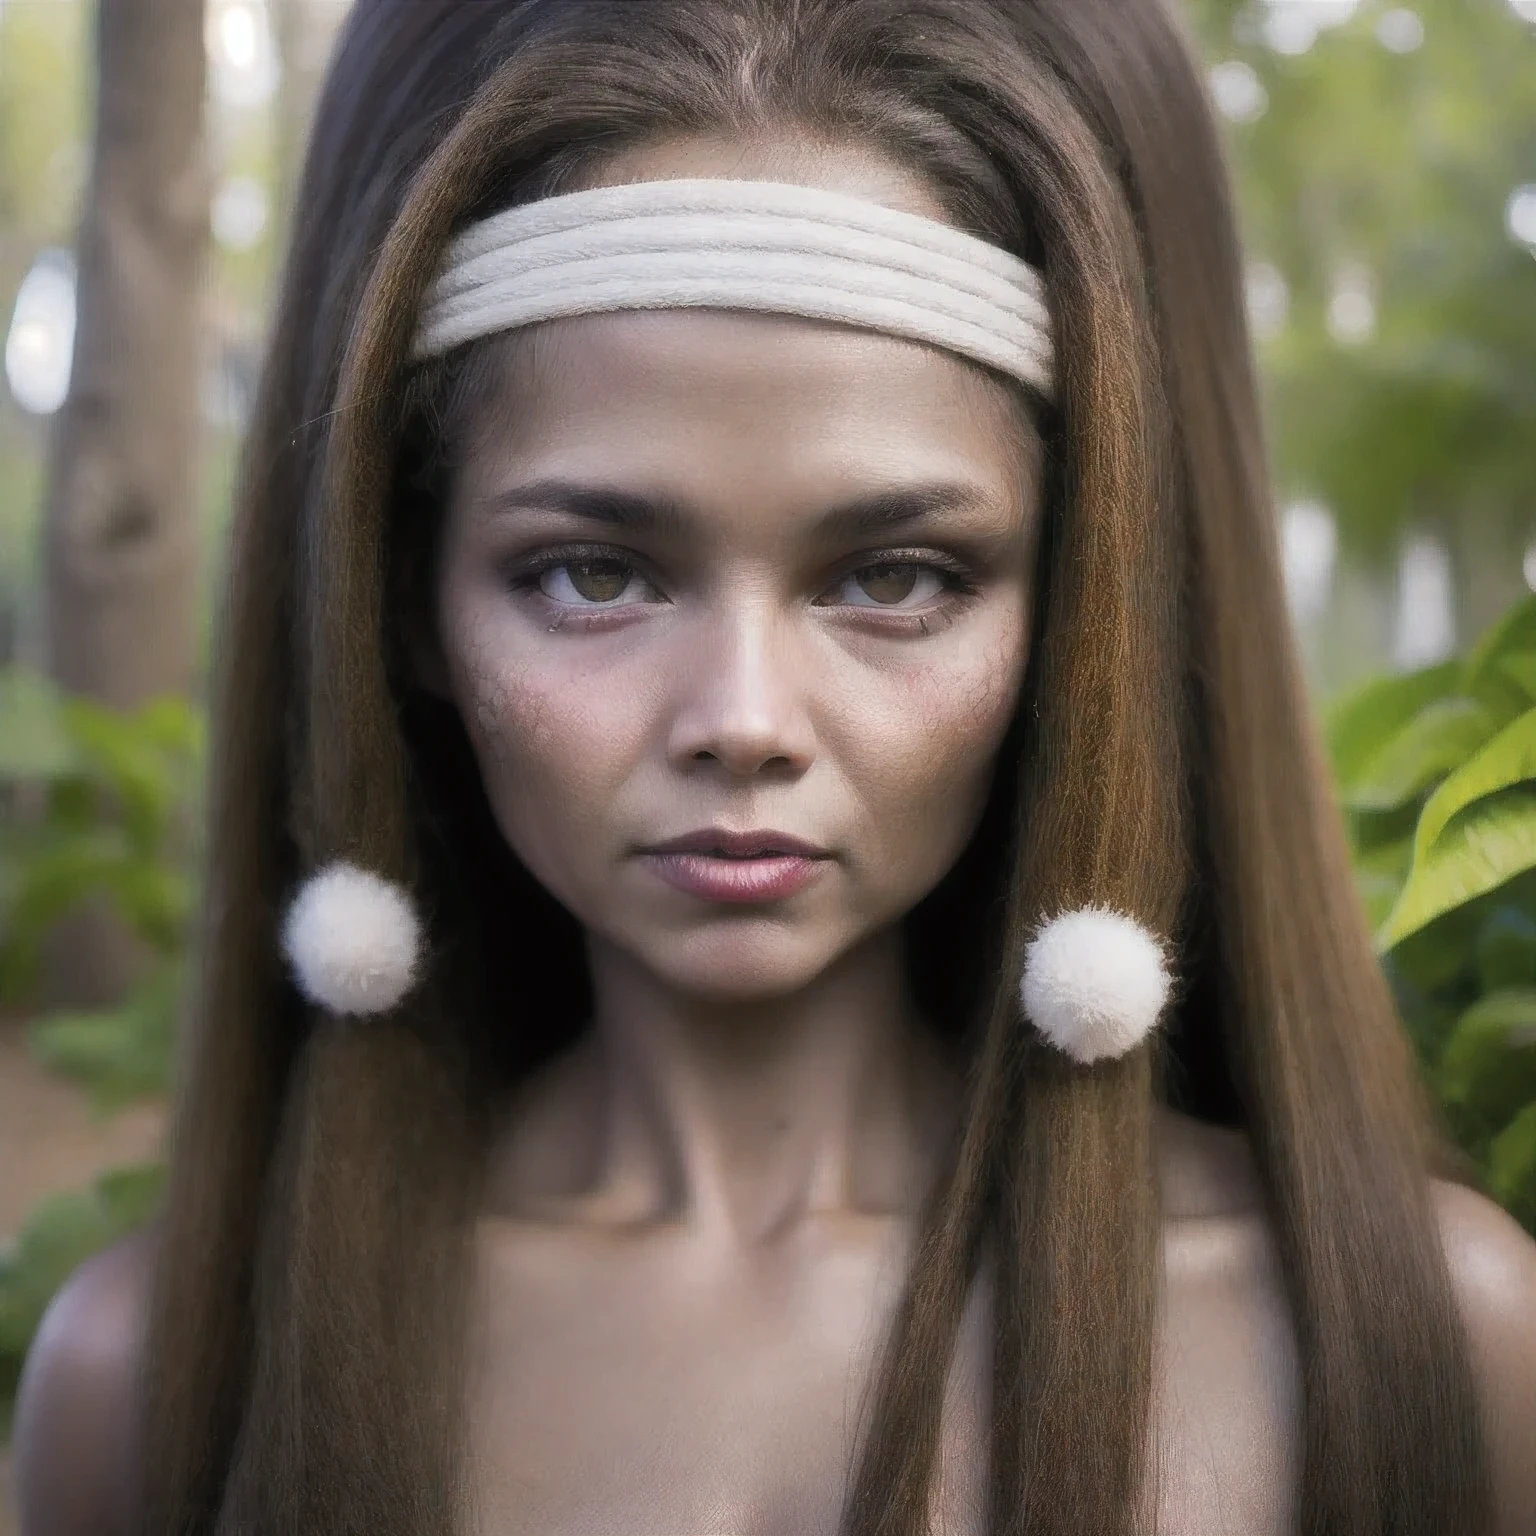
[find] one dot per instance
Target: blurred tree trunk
(304, 31)
(1486, 552)
(122, 503)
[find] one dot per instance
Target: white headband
(726, 244)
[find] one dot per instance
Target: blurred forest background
(1385, 159)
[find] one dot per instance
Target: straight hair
(310, 1294)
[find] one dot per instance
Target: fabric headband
(755, 245)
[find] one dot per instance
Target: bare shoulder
(1493, 1266)
(77, 1410)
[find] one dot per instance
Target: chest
(661, 1393)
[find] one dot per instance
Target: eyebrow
(875, 512)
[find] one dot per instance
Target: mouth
(746, 868)
(715, 842)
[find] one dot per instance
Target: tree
(1377, 145)
(121, 514)
(305, 30)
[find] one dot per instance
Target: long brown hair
(309, 1302)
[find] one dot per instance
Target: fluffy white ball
(1094, 983)
(353, 940)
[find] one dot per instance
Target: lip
(737, 867)
(755, 844)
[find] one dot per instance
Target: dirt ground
(49, 1143)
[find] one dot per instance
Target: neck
(743, 1118)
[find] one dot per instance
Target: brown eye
(887, 583)
(598, 580)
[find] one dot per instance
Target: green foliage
(44, 111)
(1437, 774)
(120, 1054)
(99, 810)
(98, 807)
(1397, 165)
(60, 1234)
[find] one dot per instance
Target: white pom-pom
(353, 940)
(1094, 983)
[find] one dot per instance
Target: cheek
(553, 745)
(928, 746)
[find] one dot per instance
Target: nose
(741, 697)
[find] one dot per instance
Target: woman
(693, 729)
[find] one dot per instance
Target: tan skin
(699, 1220)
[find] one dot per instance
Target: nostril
(745, 763)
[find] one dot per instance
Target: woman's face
(735, 609)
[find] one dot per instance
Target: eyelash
(957, 581)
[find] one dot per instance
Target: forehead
(765, 398)
(666, 382)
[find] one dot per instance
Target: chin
(741, 968)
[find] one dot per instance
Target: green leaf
(1493, 670)
(1520, 669)
(1490, 842)
(60, 871)
(1435, 958)
(113, 827)
(1379, 875)
(144, 761)
(1476, 831)
(1510, 758)
(131, 1195)
(1489, 1061)
(1514, 632)
(120, 1054)
(154, 899)
(64, 871)
(1359, 724)
(35, 743)
(58, 1235)
(1440, 738)
(1505, 949)
(1426, 1020)
(56, 1238)
(1512, 1165)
